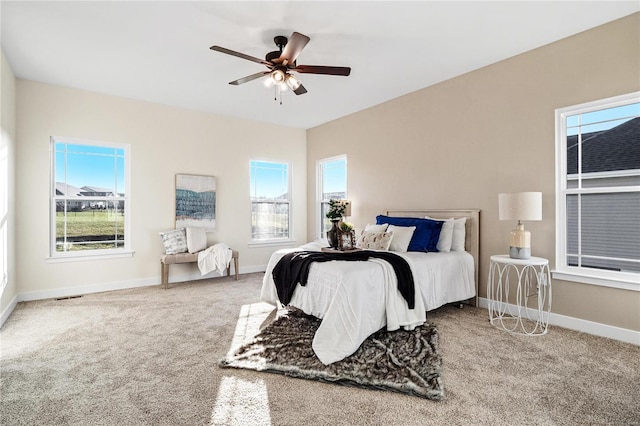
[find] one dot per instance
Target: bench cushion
(169, 259)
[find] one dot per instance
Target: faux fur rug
(400, 361)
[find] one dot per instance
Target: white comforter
(356, 299)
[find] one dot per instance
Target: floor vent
(68, 297)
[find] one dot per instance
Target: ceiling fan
(281, 62)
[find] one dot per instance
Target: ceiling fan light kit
(281, 62)
(277, 76)
(292, 82)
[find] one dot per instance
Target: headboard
(472, 230)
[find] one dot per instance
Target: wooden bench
(170, 259)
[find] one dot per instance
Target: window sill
(89, 257)
(621, 283)
(271, 243)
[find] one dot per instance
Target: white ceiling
(159, 51)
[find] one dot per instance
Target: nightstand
(531, 281)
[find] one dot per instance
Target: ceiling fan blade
(300, 90)
(240, 55)
(294, 46)
(248, 78)
(321, 69)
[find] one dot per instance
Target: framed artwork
(195, 201)
(346, 240)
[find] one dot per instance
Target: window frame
(563, 271)
(83, 255)
(320, 229)
(4, 218)
(289, 201)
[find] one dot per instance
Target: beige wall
(9, 292)
(164, 141)
(459, 143)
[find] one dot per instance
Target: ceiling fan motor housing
(281, 42)
(272, 55)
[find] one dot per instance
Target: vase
(332, 234)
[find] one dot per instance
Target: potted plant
(336, 210)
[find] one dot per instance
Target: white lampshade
(347, 207)
(520, 206)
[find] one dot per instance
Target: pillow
(446, 235)
(316, 245)
(401, 237)
(426, 235)
(374, 240)
(376, 228)
(174, 241)
(196, 239)
(459, 234)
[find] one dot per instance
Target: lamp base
(519, 252)
(520, 243)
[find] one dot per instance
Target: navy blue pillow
(426, 235)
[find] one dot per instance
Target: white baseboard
(252, 269)
(193, 276)
(590, 327)
(118, 285)
(585, 326)
(88, 289)
(7, 311)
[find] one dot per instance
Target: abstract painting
(195, 201)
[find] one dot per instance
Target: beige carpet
(149, 357)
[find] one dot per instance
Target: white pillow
(174, 241)
(446, 234)
(401, 237)
(315, 245)
(196, 239)
(459, 234)
(374, 240)
(376, 228)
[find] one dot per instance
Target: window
(270, 201)
(89, 198)
(332, 180)
(598, 192)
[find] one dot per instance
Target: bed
(356, 299)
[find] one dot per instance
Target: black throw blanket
(293, 268)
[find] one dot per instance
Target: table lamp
(347, 207)
(520, 206)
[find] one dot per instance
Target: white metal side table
(531, 278)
